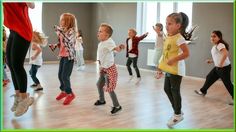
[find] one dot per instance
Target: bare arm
(225, 54)
(30, 5)
(182, 56)
(38, 51)
(119, 48)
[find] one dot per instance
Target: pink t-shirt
(63, 51)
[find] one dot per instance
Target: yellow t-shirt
(171, 49)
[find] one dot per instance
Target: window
(36, 16)
(149, 13)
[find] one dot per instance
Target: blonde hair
(108, 28)
(70, 21)
(133, 30)
(39, 38)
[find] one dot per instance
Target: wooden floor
(145, 106)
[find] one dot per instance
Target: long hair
(70, 21)
(219, 34)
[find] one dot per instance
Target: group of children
(171, 50)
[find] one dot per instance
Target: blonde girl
(66, 33)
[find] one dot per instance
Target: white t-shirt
(39, 59)
(217, 55)
(78, 45)
(105, 53)
(131, 55)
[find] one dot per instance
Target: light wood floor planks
(145, 106)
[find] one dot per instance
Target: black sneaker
(38, 89)
(98, 102)
(116, 109)
(199, 92)
(33, 85)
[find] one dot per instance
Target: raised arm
(143, 36)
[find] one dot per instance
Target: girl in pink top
(67, 38)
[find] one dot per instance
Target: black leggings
(16, 51)
(214, 75)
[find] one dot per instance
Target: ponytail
(184, 25)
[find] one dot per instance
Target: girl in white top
(79, 51)
(222, 64)
(36, 59)
(158, 28)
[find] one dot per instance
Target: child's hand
(146, 33)
(122, 46)
(154, 28)
(33, 57)
(171, 62)
(209, 61)
(52, 47)
(159, 74)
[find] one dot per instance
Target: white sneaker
(23, 105)
(231, 102)
(138, 80)
(16, 102)
(131, 77)
(175, 119)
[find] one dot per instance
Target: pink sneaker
(61, 96)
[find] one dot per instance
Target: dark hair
(181, 18)
(184, 25)
(219, 34)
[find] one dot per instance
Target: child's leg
(100, 84)
(224, 74)
(175, 81)
(60, 74)
(81, 55)
(210, 79)
(66, 73)
(114, 99)
(128, 63)
(167, 89)
(33, 71)
(78, 58)
(5, 75)
(135, 60)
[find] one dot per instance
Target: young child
(158, 28)
(222, 64)
(16, 18)
(175, 50)
(108, 71)
(36, 59)
(79, 51)
(132, 52)
(67, 39)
